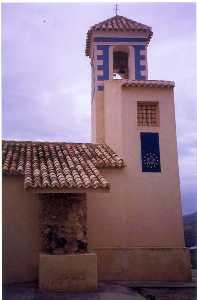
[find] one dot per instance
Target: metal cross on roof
(116, 9)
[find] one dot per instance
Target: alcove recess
(121, 62)
(63, 223)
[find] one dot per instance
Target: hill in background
(190, 229)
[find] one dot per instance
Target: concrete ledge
(144, 264)
(68, 273)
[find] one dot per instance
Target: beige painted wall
(137, 228)
(130, 216)
(97, 118)
(20, 231)
(144, 264)
(142, 209)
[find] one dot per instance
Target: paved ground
(106, 291)
(123, 290)
(168, 293)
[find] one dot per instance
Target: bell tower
(136, 118)
(117, 48)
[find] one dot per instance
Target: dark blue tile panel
(118, 39)
(99, 47)
(99, 67)
(105, 56)
(150, 152)
(100, 77)
(138, 67)
(100, 57)
(100, 88)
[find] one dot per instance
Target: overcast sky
(46, 75)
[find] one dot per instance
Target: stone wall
(63, 223)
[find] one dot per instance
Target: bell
(121, 71)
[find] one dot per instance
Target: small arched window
(120, 65)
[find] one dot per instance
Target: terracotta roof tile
(59, 165)
(148, 83)
(116, 24)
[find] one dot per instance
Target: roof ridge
(136, 22)
(102, 22)
(49, 142)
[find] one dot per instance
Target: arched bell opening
(121, 63)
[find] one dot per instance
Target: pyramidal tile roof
(59, 165)
(116, 24)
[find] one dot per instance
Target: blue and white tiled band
(102, 59)
(140, 62)
(102, 72)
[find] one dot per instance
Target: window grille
(148, 113)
